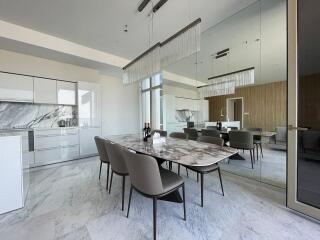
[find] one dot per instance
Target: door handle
(292, 128)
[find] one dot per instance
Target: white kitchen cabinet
(87, 143)
(66, 92)
(45, 91)
(16, 88)
(169, 106)
(56, 145)
(11, 174)
(203, 114)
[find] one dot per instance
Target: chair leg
(251, 159)
(201, 180)
(197, 177)
(100, 170)
(170, 166)
(108, 169)
(123, 189)
(111, 181)
(220, 181)
(257, 147)
(187, 172)
(129, 203)
(184, 203)
(179, 169)
(154, 218)
(261, 149)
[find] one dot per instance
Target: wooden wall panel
(265, 105)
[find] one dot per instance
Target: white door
(303, 108)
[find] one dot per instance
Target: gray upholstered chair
(281, 136)
(161, 132)
(212, 127)
(100, 143)
(152, 182)
(118, 165)
(192, 133)
(179, 135)
(257, 139)
(208, 169)
(243, 140)
(210, 132)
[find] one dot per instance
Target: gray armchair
(210, 132)
(100, 143)
(243, 140)
(118, 165)
(192, 133)
(208, 169)
(148, 180)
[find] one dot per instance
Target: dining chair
(257, 140)
(212, 127)
(192, 133)
(179, 135)
(152, 182)
(161, 132)
(243, 140)
(210, 132)
(118, 165)
(100, 143)
(208, 169)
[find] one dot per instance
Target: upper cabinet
(45, 91)
(16, 88)
(66, 93)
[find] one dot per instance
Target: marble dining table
(185, 152)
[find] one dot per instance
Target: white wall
(120, 106)
(35, 66)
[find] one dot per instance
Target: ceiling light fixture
(159, 5)
(182, 44)
(143, 5)
(226, 83)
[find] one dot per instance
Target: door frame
(292, 201)
(227, 110)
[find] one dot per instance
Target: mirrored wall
(254, 38)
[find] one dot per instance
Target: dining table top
(185, 152)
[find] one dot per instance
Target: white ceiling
(99, 24)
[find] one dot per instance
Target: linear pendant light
(226, 84)
(182, 44)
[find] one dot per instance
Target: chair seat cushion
(209, 168)
(170, 180)
(257, 141)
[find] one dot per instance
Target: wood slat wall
(265, 105)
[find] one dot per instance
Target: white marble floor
(67, 201)
(270, 169)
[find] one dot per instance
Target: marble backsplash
(28, 115)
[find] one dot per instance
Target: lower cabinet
(87, 143)
(56, 145)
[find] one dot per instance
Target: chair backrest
(241, 139)
(144, 173)
(180, 135)
(116, 158)
(255, 137)
(100, 143)
(192, 133)
(281, 134)
(161, 132)
(233, 128)
(212, 127)
(210, 132)
(213, 140)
